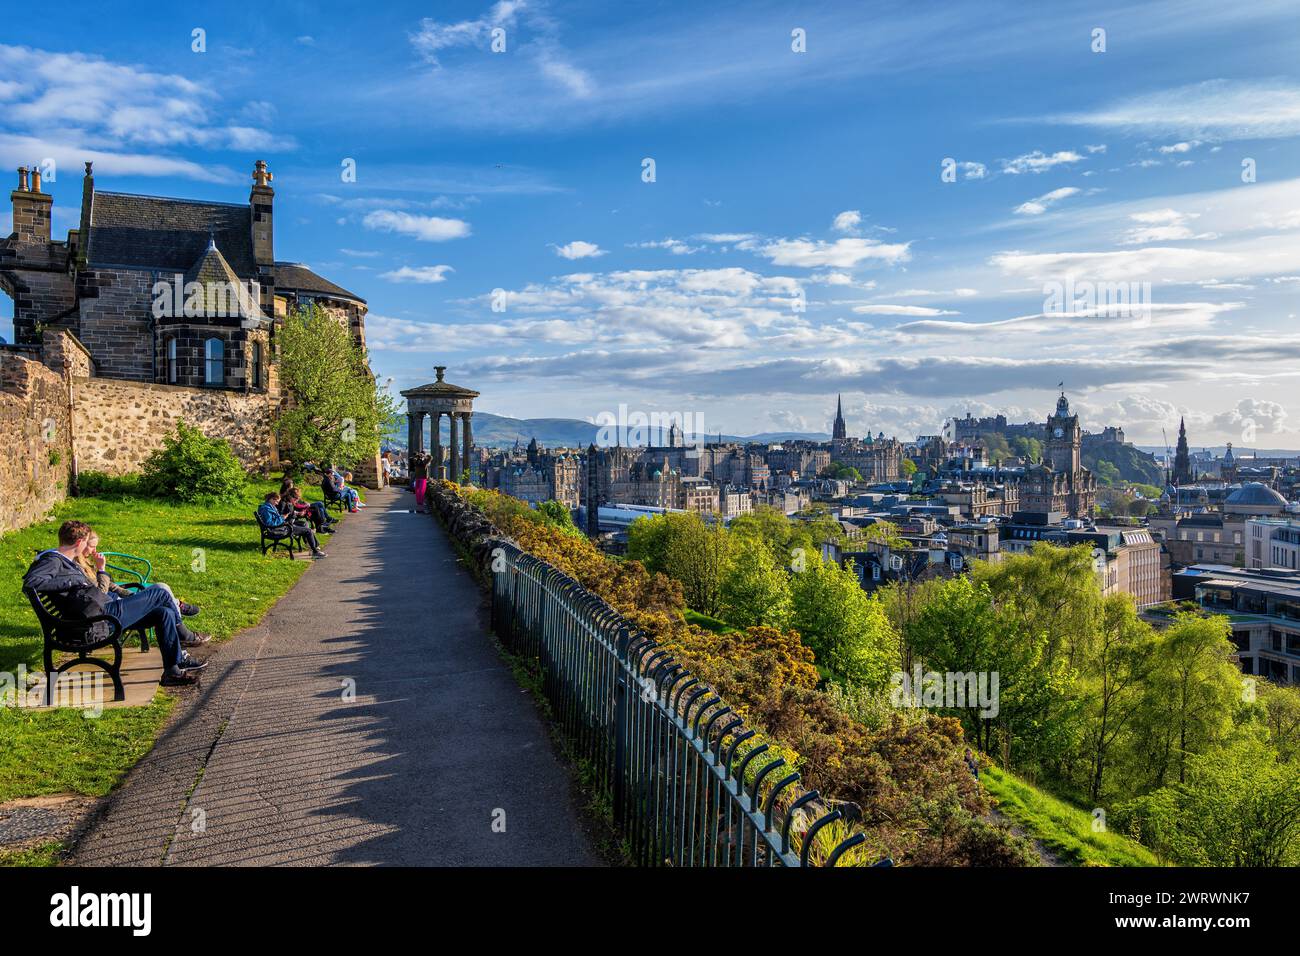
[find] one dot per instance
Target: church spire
(838, 431)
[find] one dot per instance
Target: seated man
(268, 512)
(57, 574)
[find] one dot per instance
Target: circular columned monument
(437, 399)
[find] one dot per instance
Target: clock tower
(1064, 439)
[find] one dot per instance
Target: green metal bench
(141, 576)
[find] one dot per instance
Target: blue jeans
(156, 608)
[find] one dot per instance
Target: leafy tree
(1114, 676)
(842, 471)
(754, 590)
(963, 630)
(846, 628)
(1051, 589)
(1108, 473)
(192, 467)
(1239, 806)
(335, 413)
(557, 515)
(1030, 449)
(1191, 693)
(647, 541)
(908, 468)
(1280, 707)
(695, 553)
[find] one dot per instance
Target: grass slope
(1063, 829)
(207, 553)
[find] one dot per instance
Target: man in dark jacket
(56, 573)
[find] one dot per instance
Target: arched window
(171, 361)
(214, 354)
(257, 365)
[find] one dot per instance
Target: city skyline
(799, 238)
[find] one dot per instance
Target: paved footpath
(269, 763)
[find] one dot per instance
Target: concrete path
(367, 720)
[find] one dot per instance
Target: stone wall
(117, 322)
(118, 424)
(35, 448)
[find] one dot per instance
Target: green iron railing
(688, 787)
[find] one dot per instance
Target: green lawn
(207, 553)
(1064, 829)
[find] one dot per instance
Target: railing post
(620, 727)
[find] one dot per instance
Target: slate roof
(153, 232)
(219, 284)
(296, 277)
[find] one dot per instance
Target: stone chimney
(260, 201)
(87, 203)
(31, 208)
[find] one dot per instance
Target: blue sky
(798, 239)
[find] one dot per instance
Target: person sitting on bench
(312, 512)
(57, 574)
(334, 486)
(98, 576)
(268, 512)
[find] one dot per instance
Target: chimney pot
(36, 179)
(89, 169)
(22, 179)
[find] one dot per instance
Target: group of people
(285, 514)
(73, 576)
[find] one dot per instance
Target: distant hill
(1133, 463)
(499, 431)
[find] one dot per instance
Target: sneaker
(189, 610)
(319, 554)
(353, 511)
(188, 664)
(178, 678)
(195, 638)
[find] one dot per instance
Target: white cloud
(840, 254)
(1183, 147)
(1039, 162)
(578, 249)
(913, 310)
(125, 118)
(421, 274)
(973, 170)
(1162, 225)
(847, 221)
(1211, 110)
(1036, 207)
(676, 246)
(423, 228)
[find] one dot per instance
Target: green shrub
(192, 467)
(98, 483)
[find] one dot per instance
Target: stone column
(416, 443)
(468, 438)
(435, 439)
(452, 418)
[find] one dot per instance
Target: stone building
(163, 309)
(1061, 483)
(169, 291)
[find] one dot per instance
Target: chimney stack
(31, 216)
(261, 206)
